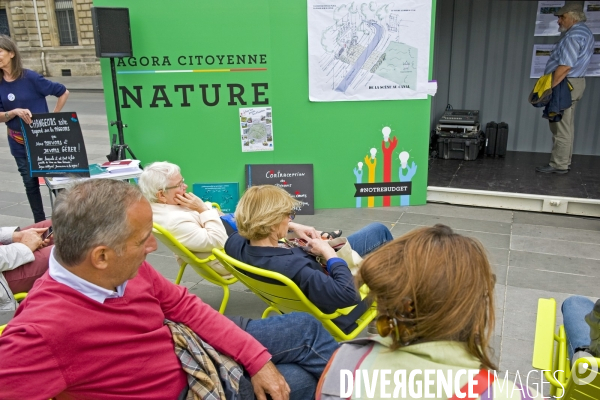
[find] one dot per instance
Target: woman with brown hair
(23, 93)
(435, 296)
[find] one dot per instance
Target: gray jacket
(12, 255)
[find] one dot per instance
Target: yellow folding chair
(199, 265)
(18, 297)
(282, 295)
(581, 382)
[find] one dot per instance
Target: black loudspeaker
(112, 32)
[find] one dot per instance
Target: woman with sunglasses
(435, 296)
(263, 216)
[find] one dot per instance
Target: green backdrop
(205, 140)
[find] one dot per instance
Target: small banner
(383, 189)
(296, 179)
(55, 146)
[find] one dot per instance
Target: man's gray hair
(92, 213)
(578, 16)
(156, 177)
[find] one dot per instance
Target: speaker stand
(118, 151)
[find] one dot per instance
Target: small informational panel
(226, 195)
(539, 59)
(545, 20)
(55, 146)
(296, 179)
(594, 67)
(592, 13)
(256, 129)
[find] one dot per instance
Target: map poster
(363, 50)
(256, 128)
(545, 21)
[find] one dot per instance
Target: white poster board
(545, 21)
(368, 51)
(256, 129)
(594, 67)
(541, 55)
(592, 13)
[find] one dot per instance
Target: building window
(65, 17)
(4, 23)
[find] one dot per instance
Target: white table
(64, 183)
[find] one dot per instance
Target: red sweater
(63, 344)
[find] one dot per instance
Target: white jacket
(200, 233)
(12, 255)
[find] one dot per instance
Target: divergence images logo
(590, 363)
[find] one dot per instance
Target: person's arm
(14, 255)
(179, 305)
(303, 231)
(559, 74)
(28, 368)
(22, 113)
(327, 292)
(6, 234)
(60, 103)
(203, 237)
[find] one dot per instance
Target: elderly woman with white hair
(189, 219)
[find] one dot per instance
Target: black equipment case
(491, 129)
(502, 139)
(459, 136)
(496, 139)
(460, 148)
(459, 142)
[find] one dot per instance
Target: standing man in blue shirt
(569, 59)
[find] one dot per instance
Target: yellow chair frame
(198, 264)
(18, 297)
(282, 295)
(554, 361)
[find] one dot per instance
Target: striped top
(574, 49)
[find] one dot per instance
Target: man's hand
(303, 231)
(559, 74)
(269, 380)
(30, 238)
(191, 201)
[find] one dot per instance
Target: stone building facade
(55, 37)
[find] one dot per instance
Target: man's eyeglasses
(179, 185)
(292, 215)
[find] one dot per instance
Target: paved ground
(533, 255)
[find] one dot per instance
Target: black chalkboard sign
(296, 179)
(55, 145)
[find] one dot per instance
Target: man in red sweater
(92, 326)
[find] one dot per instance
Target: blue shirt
(62, 275)
(28, 92)
(574, 50)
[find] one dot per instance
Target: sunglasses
(386, 325)
(403, 332)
